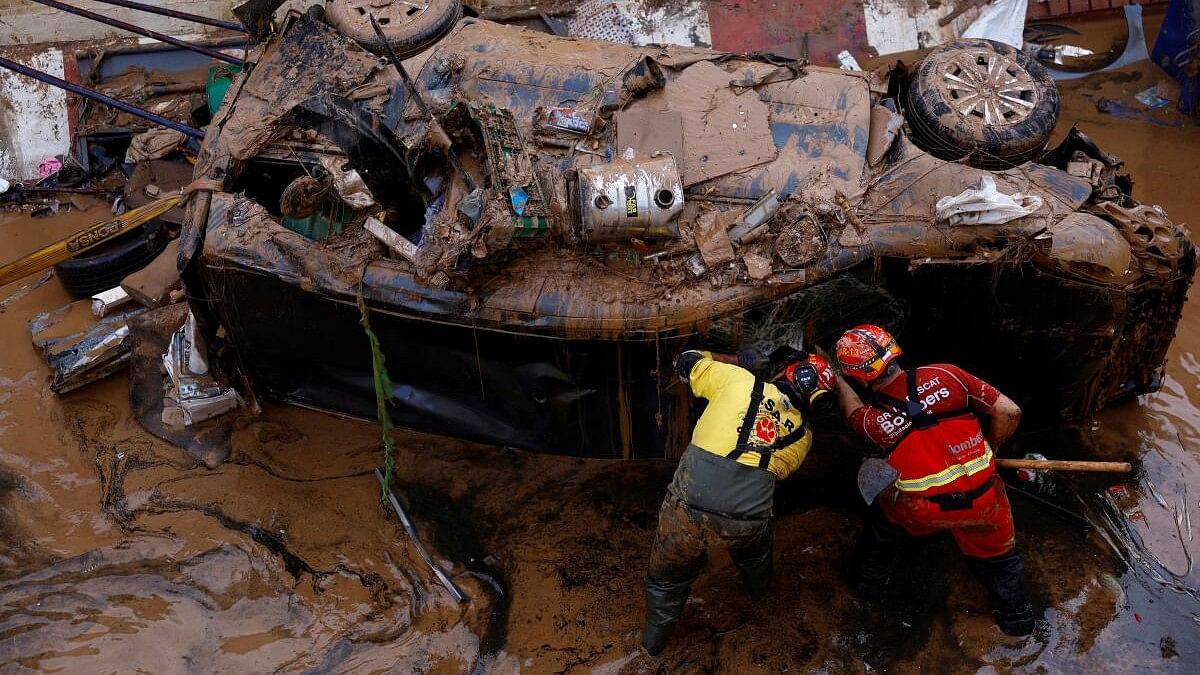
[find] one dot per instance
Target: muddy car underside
(514, 313)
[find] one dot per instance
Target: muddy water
(119, 552)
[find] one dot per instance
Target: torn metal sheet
(193, 395)
(79, 349)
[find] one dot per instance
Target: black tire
(407, 36)
(104, 267)
(958, 109)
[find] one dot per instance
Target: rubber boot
(1003, 576)
(664, 606)
(755, 564)
(876, 556)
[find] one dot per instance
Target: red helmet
(810, 375)
(864, 352)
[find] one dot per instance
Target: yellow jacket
(727, 388)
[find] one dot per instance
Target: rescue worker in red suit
(751, 434)
(928, 420)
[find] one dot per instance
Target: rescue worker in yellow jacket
(751, 434)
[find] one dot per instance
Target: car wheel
(104, 267)
(410, 26)
(982, 100)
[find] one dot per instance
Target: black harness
(922, 418)
(764, 451)
(911, 409)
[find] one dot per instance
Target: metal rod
(416, 95)
(141, 31)
(71, 190)
(175, 14)
(411, 530)
(1067, 514)
(97, 96)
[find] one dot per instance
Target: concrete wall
(33, 120)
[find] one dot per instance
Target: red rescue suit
(927, 421)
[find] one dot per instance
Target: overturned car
(538, 224)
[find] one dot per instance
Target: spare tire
(982, 100)
(104, 267)
(410, 26)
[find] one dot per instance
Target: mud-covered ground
(120, 553)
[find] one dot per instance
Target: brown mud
(119, 552)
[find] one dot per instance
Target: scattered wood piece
(151, 286)
(104, 303)
(392, 239)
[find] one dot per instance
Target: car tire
(409, 32)
(104, 267)
(981, 100)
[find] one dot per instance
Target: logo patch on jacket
(765, 430)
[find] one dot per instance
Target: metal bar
(412, 533)
(239, 42)
(175, 14)
(412, 91)
(71, 190)
(116, 23)
(97, 96)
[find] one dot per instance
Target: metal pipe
(175, 14)
(116, 23)
(97, 96)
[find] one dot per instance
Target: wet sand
(119, 552)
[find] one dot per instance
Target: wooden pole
(1064, 465)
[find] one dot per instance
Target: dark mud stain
(453, 532)
(1097, 81)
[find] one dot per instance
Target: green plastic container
(219, 79)
(322, 224)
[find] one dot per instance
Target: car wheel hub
(988, 87)
(389, 13)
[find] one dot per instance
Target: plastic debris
(4, 185)
(471, 206)
(1069, 52)
(101, 349)
(1002, 21)
(519, 198)
(1150, 98)
(49, 166)
(848, 61)
(985, 205)
(104, 303)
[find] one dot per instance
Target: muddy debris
(537, 224)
